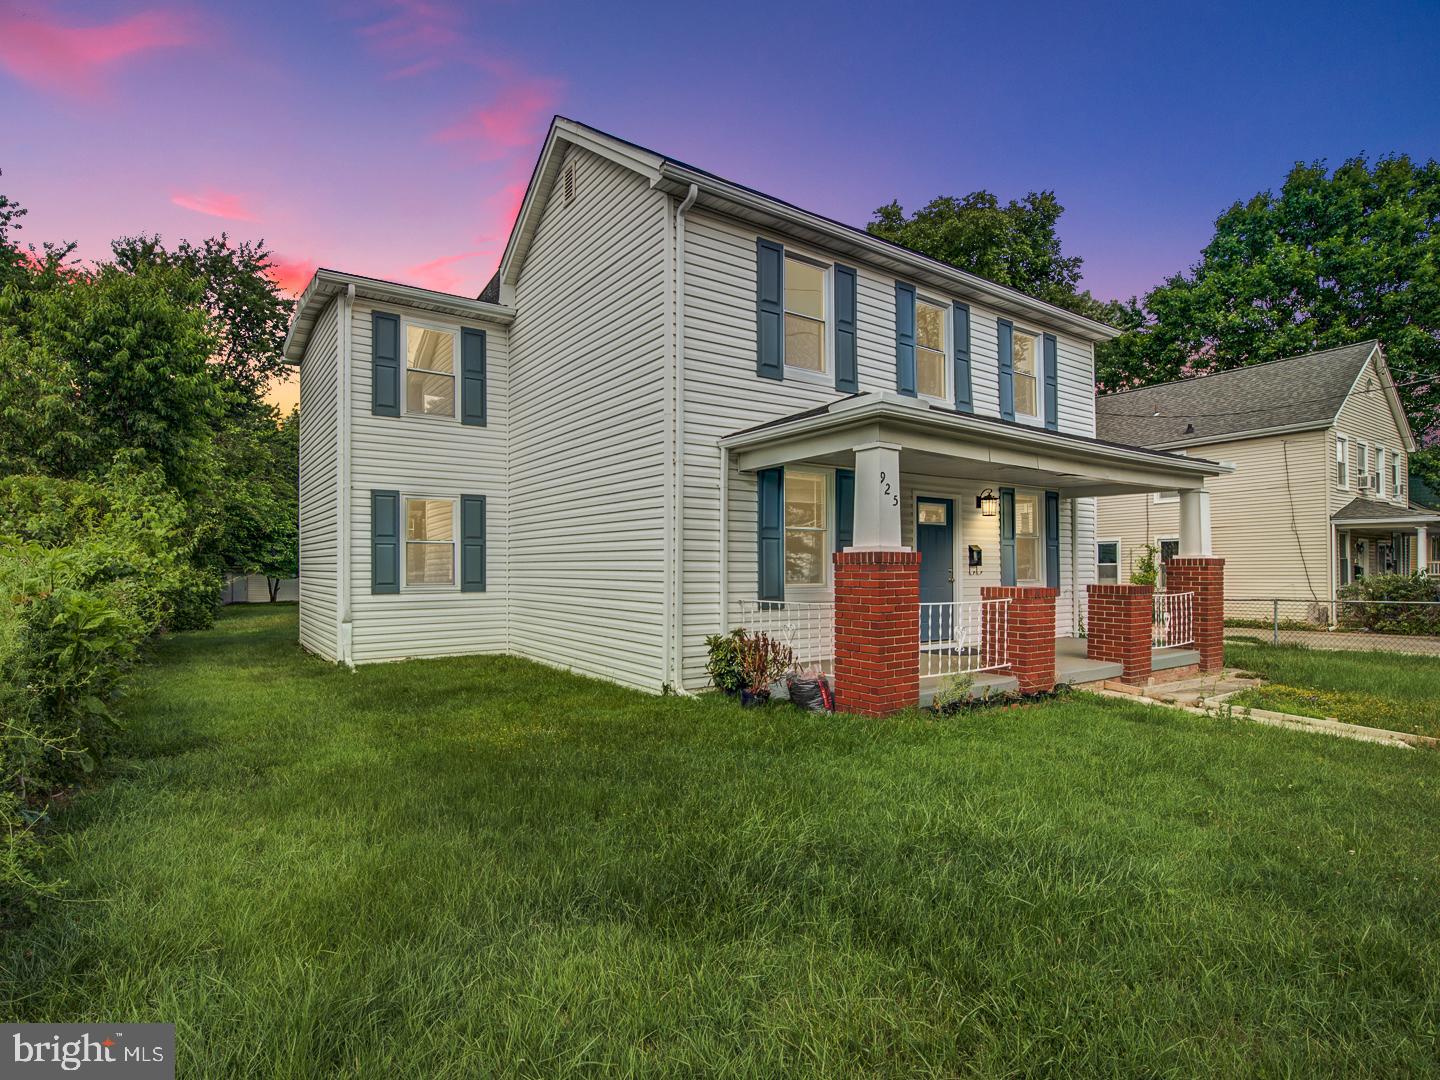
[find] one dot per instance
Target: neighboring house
(677, 400)
(1319, 494)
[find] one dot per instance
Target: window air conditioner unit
(1370, 482)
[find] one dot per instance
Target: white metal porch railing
(1433, 569)
(808, 629)
(964, 638)
(1174, 620)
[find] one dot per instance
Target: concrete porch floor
(1072, 668)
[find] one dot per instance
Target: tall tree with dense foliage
(1015, 244)
(1330, 259)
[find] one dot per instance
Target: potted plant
(762, 661)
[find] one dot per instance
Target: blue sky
(393, 137)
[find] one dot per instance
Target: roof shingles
(1286, 393)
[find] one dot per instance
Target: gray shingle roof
(1375, 510)
(1286, 393)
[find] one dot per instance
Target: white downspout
(724, 540)
(677, 675)
(1075, 589)
(343, 525)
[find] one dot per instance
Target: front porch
(1373, 536)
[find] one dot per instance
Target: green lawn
(480, 867)
(1378, 689)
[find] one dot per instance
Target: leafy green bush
(723, 662)
(1146, 571)
(1391, 604)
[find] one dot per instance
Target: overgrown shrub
(723, 661)
(1391, 604)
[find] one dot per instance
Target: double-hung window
(1342, 461)
(1026, 372)
(930, 320)
(429, 541)
(1397, 475)
(1029, 539)
(806, 513)
(804, 314)
(1107, 562)
(430, 362)
(1380, 472)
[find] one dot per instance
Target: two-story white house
(678, 399)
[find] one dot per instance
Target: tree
(248, 313)
(1015, 244)
(1332, 259)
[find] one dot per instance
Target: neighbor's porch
(976, 537)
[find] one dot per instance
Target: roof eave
(326, 284)
(676, 179)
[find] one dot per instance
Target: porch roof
(1362, 511)
(951, 443)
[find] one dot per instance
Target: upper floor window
(429, 541)
(930, 348)
(1026, 364)
(1342, 461)
(430, 361)
(1380, 471)
(1397, 475)
(804, 314)
(805, 516)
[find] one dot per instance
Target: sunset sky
(394, 137)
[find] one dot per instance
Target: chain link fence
(1402, 626)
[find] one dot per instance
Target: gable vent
(569, 184)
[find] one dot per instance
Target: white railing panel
(1174, 620)
(807, 628)
(964, 638)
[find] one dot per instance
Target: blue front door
(935, 541)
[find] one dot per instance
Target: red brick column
(1118, 628)
(1029, 633)
(877, 631)
(1205, 577)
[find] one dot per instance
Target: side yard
(1377, 689)
(483, 867)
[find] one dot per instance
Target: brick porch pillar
(877, 631)
(1029, 633)
(1205, 577)
(1118, 629)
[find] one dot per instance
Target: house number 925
(885, 491)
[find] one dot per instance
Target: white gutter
(345, 639)
(888, 406)
(678, 653)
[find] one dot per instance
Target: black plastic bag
(811, 693)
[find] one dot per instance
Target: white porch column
(1349, 542)
(1422, 549)
(877, 498)
(1195, 523)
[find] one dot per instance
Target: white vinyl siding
(723, 394)
(1366, 416)
(589, 431)
(320, 487)
(418, 456)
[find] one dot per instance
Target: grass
(1377, 689)
(470, 867)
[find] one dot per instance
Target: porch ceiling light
(988, 503)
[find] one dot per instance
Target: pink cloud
(516, 118)
(74, 60)
(292, 275)
(221, 204)
(445, 274)
(418, 35)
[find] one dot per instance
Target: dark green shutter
(472, 543)
(964, 395)
(1052, 539)
(905, 339)
(771, 485)
(472, 377)
(384, 364)
(384, 541)
(1005, 347)
(847, 368)
(1007, 536)
(1052, 384)
(769, 310)
(844, 508)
